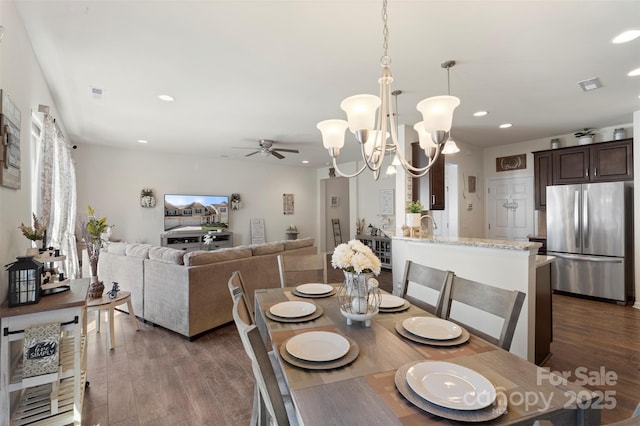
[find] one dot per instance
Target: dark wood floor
(155, 377)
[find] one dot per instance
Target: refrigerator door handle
(576, 218)
(585, 218)
(587, 258)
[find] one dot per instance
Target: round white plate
(314, 288)
(389, 301)
(293, 309)
(318, 346)
(451, 385)
(432, 328)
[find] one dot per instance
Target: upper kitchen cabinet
(429, 189)
(600, 162)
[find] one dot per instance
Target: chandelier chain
(385, 60)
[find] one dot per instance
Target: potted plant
(38, 232)
(92, 230)
(585, 136)
(414, 210)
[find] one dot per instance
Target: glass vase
(359, 297)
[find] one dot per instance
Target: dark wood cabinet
(543, 177)
(429, 189)
(600, 162)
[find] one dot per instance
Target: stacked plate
(319, 350)
(432, 331)
(314, 290)
(391, 303)
(294, 311)
(450, 390)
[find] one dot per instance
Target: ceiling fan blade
(253, 153)
(277, 155)
(286, 150)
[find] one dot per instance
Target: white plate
(314, 288)
(389, 301)
(318, 346)
(451, 385)
(293, 309)
(432, 328)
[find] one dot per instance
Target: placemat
(463, 338)
(493, 411)
(316, 314)
(348, 358)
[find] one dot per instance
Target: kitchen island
(507, 264)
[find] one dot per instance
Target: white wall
(110, 181)
(22, 80)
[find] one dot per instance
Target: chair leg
(255, 413)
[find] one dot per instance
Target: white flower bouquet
(355, 257)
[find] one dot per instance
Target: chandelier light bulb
(333, 133)
(424, 137)
(437, 112)
(373, 141)
(361, 111)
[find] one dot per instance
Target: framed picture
(10, 118)
(287, 204)
(334, 201)
(471, 184)
(512, 162)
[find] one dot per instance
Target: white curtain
(57, 194)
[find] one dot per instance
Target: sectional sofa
(187, 292)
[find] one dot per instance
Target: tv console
(194, 240)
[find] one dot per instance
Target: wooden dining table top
(364, 391)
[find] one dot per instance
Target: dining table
(371, 388)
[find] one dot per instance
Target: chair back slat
(236, 287)
(429, 277)
(263, 372)
(300, 269)
(505, 304)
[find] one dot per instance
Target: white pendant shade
(391, 170)
(333, 133)
(450, 147)
(437, 112)
(361, 111)
(424, 137)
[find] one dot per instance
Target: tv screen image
(195, 212)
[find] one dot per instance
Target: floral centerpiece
(35, 233)
(359, 296)
(355, 257)
(92, 230)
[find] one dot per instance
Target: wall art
(287, 204)
(512, 162)
(10, 118)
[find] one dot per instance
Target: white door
(510, 208)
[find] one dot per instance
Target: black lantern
(25, 275)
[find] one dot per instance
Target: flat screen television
(195, 212)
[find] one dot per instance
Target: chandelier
(372, 133)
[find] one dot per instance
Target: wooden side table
(104, 303)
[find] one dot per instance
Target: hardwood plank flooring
(156, 377)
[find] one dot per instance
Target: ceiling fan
(266, 148)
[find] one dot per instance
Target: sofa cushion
(138, 250)
(295, 244)
(267, 248)
(117, 248)
(167, 255)
(200, 257)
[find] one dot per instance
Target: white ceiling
(245, 70)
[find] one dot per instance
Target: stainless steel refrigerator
(590, 232)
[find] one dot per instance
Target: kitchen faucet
(435, 226)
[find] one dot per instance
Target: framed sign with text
(512, 162)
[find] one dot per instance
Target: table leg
(112, 334)
(131, 314)
(98, 321)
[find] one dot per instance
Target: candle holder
(359, 297)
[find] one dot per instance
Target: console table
(381, 247)
(194, 240)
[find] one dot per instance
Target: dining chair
(634, 420)
(425, 287)
(300, 269)
(236, 286)
(270, 405)
(503, 304)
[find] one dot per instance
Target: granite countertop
(542, 260)
(476, 242)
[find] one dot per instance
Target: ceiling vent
(590, 84)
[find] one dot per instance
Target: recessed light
(480, 113)
(626, 36)
(143, 141)
(166, 98)
(634, 73)
(305, 161)
(505, 125)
